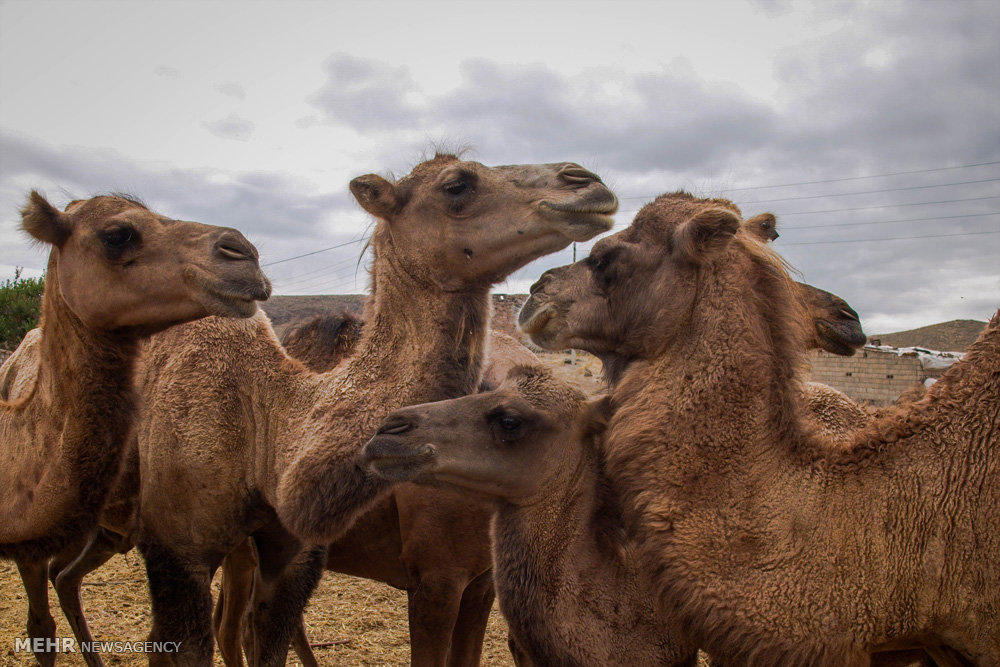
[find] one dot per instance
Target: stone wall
(871, 375)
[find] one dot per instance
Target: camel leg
(40, 622)
(300, 642)
(67, 571)
(181, 597)
(288, 576)
(434, 602)
(238, 572)
(470, 627)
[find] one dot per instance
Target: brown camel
(566, 578)
(556, 320)
(764, 227)
(382, 560)
(116, 273)
(773, 545)
(256, 437)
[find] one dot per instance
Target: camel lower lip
(537, 320)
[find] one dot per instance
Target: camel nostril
(575, 174)
(232, 245)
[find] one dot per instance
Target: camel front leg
(470, 627)
(239, 569)
(67, 571)
(40, 622)
(434, 600)
(181, 597)
(288, 575)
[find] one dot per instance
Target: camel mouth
(582, 220)
(390, 459)
(843, 341)
(534, 316)
(229, 298)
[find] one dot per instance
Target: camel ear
(44, 221)
(376, 195)
(763, 227)
(837, 326)
(705, 234)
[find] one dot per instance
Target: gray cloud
(232, 90)
(167, 72)
(231, 127)
(262, 204)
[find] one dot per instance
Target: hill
(953, 336)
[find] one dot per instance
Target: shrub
(20, 306)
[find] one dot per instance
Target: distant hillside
(286, 309)
(953, 336)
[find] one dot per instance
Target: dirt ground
(358, 622)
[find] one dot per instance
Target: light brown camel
(773, 545)
(565, 575)
(116, 273)
(382, 560)
(280, 441)
(19, 372)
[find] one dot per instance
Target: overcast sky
(257, 114)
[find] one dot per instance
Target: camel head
(118, 264)
(583, 305)
(636, 289)
(836, 327)
(458, 224)
(505, 444)
(764, 227)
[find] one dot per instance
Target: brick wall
(871, 375)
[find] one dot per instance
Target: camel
(565, 576)
(763, 226)
(771, 544)
(117, 272)
(322, 342)
(260, 447)
(555, 321)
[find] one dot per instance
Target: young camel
(773, 545)
(117, 272)
(566, 577)
(256, 437)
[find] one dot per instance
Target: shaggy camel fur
(280, 441)
(557, 312)
(771, 544)
(18, 373)
(566, 579)
(116, 273)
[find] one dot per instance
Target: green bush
(20, 306)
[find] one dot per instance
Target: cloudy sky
(871, 129)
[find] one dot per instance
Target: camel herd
(710, 500)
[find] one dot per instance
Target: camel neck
(81, 411)
(415, 325)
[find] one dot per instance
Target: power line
(849, 178)
(863, 208)
(869, 192)
(896, 238)
(886, 222)
(314, 252)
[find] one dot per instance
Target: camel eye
(118, 237)
(509, 423)
(765, 225)
(507, 427)
(456, 189)
(117, 240)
